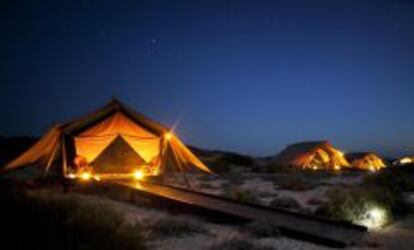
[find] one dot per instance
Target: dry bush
(296, 182)
(241, 195)
(239, 244)
(176, 227)
(63, 223)
(354, 204)
(262, 229)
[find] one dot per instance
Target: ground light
(138, 175)
(86, 176)
(71, 176)
(374, 218)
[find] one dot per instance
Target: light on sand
(138, 175)
(375, 218)
(86, 176)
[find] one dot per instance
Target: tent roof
(360, 155)
(82, 123)
(299, 154)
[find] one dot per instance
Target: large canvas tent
(311, 155)
(365, 161)
(92, 136)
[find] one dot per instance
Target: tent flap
(41, 150)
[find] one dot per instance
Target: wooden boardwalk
(296, 225)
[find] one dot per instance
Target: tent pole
(162, 160)
(64, 160)
(187, 182)
(64, 167)
(49, 163)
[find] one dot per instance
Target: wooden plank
(305, 227)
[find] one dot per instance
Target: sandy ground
(218, 232)
(398, 236)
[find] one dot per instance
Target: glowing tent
(312, 155)
(407, 160)
(365, 161)
(114, 127)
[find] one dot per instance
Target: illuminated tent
(407, 160)
(311, 155)
(91, 136)
(365, 161)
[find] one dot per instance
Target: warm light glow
(138, 175)
(337, 167)
(372, 168)
(406, 160)
(341, 153)
(315, 167)
(71, 176)
(375, 218)
(86, 176)
(168, 136)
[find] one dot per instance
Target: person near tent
(80, 165)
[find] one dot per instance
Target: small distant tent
(113, 139)
(365, 161)
(311, 155)
(406, 160)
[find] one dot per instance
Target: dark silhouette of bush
(239, 244)
(39, 223)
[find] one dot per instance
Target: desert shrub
(52, 223)
(239, 244)
(276, 168)
(315, 202)
(206, 186)
(262, 229)
(234, 178)
(296, 182)
(392, 182)
(241, 195)
(238, 160)
(173, 227)
(285, 203)
(356, 204)
(208, 177)
(219, 165)
(392, 178)
(223, 163)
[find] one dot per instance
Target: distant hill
(11, 147)
(221, 161)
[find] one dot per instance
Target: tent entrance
(117, 158)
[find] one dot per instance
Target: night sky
(245, 76)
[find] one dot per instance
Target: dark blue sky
(247, 76)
